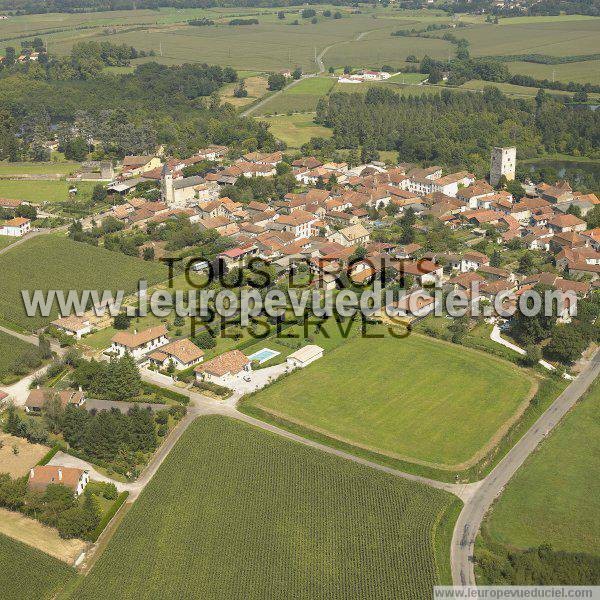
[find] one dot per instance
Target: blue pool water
(263, 355)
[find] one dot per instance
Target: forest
(73, 97)
(457, 130)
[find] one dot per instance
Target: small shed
(303, 357)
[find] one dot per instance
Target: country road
(475, 508)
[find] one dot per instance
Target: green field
(55, 262)
(301, 97)
(413, 399)
(296, 129)
(6, 240)
(11, 350)
(27, 573)
(235, 512)
(555, 497)
(580, 72)
(38, 168)
(512, 90)
(43, 191)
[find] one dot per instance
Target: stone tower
(168, 192)
(504, 162)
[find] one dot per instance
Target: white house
(223, 368)
(304, 356)
(73, 325)
(300, 223)
(17, 227)
(41, 477)
(139, 343)
(182, 354)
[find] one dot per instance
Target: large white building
(139, 343)
(504, 162)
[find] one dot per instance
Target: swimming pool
(263, 355)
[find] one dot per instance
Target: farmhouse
(41, 477)
(181, 354)
(303, 357)
(139, 344)
(73, 325)
(16, 227)
(223, 368)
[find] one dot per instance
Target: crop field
(256, 86)
(27, 573)
(11, 349)
(296, 129)
(559, 37)
(302, 97)
(555, 488)
(236, 512)
(55, 262)
(38, 192)
(414, 399)
(513, 90)
(580, 72)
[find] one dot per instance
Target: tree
(515, 188)
(281, 15)
(276, 81)
(495, 259)
(148, 253)
(204, 340)
(75, 149)
(297, 73)
(532, 355)
(99, 193)
(566, 344)
(308, 13)
(459, 329)
(435, 75)
(121, 321)
(526, 263)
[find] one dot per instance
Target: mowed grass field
(301, 97)
(554, 498)
(236, 512)
(296, 129)
(580, 72)
(37, 168)
(54, 262)
(27, 573)
(414, 399)
(38, 192)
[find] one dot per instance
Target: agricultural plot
(27, 573)
(270, 45)
(38, 192)
(55, 262)
(302, 97)
(413, 399)
(558, 37)
(513, 90)
(236, 512)
(556, 488)
(256, 86)
(12, 351)
(580, 72)
(296, 129)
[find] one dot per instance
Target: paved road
(469, 521)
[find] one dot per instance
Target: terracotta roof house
(223, 368)
(566, 223)
(73, 325)
(41, 477)
(139, 343)
(39, 397)
(181, 353)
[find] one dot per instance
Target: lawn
(302, 97)
(6, 240)
(37, 168)
(554, 498)
(236, 512)
(413, 399)
(297, 129)
(43, 191)
(55, 262)
(256, 86)
(27, 573)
